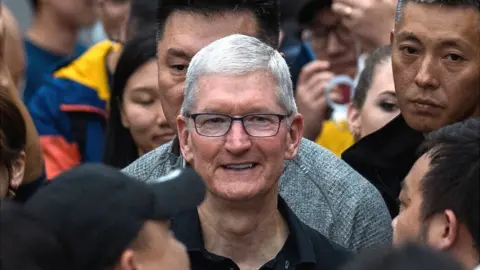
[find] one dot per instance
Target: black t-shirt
(304, 249)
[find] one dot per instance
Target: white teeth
(240, 166)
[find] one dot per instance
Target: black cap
(307, 12)
(97, 211)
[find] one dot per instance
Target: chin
(238, 193)
(422, 123)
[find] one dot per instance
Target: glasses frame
(281, 117)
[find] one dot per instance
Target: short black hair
(26, 244)
(142, 16)
(453, 179)
(410, 256)
(120, 149)
(34, 4)
(309, 10)
(266, 12)
(379, 56)
(454, 3)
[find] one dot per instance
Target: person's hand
(310, 96)
(370, 20)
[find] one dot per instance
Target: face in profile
(236, 164)
(436, 65)
(141, 109)
(183, 36)
(380, 105)
(439, 231)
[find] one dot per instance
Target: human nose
(425, 77)
(237, 139)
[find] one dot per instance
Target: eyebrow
(175, 52)
(409, 36)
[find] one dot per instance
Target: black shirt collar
(298, 246)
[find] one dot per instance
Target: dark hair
(310, 9)
(13, 132)
(142, 16)
(120, 148)
(26, 244)
(34, 4)
(379, 56)
(453, 179)
(266, 12)
(466, 3)
(410, 256)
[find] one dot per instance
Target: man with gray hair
(238, 125)
(322, 190)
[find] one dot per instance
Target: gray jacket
(321, 189)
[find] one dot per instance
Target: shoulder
(151, 165)
(331, 173)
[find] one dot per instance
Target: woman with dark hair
(374, 102)
(13, 139)
(137, 124)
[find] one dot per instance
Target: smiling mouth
(240, 167)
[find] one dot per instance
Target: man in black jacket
(436, 67)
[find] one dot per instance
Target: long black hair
(120, 149)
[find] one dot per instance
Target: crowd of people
(241, 135)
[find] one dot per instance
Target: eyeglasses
(255, 125)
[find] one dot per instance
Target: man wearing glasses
(238, 124)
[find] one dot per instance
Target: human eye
(206, 120)
(454, 57)
(409, 50)
(179, 68)
(388, 106)
(260, 119)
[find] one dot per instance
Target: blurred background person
(26, 244)
(14, 50)
(440, 197)
(407, 257)
(34, 167)
(70, 111)
(318, 48)
(12, 146)
(374, 102)
(371, 21)
(137, 123)
(53, 37)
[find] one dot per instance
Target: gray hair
(236, 55)
(453, 3)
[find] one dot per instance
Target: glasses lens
(261, 125)
(212, 124)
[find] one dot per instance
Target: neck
(250, 233)
(112, 60)
(51, 33)
(466, 252)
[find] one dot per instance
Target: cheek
(406, 227)
(142, 121)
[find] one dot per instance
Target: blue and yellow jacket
(70, 110)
